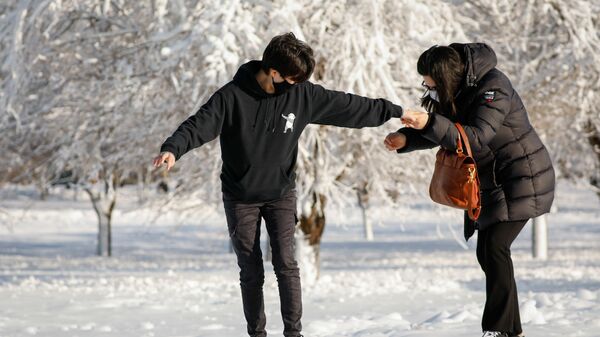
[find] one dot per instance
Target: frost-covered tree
(551, 50)
(376, 47)
(91, 86)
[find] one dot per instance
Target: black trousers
(243, 221)
(501, 312)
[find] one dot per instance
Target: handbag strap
(474, 213)
(463, 136)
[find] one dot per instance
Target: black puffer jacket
(515, 170)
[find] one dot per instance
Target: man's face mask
(281, 87)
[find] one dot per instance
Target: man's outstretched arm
(330, 107)
(200, 128)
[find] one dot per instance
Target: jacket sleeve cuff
(429, 131)
(429, 122)
(398, 112)
(405, 147)
(170, 148)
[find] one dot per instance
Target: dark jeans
(501, 312)
(243, 220)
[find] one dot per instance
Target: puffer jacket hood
(479, 60)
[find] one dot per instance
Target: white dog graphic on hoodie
(289, 125)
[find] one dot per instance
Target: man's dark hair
(290, 57)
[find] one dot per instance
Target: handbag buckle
(471, 174)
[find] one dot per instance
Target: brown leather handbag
(455, 181)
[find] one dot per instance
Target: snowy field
(178, 279)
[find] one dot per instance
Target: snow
(174, 277)
(178, 279)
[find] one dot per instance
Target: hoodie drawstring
(270, 111)
(274, 115)
(260, 102)
(265, 114)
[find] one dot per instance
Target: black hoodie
(259, 131)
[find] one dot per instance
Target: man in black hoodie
(260, 116)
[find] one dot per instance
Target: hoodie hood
(245, 78)
(479, 59)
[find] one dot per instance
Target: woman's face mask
(432, 92)
(434, 95)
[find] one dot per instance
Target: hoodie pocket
(263, 182)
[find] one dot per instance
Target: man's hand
(164, 157)
(415, 119)
(395, 141)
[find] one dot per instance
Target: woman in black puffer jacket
(515, 170)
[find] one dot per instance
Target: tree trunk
(593, 135)
(144, 178)
(312, 226)
(44, 193)
(539, 238)
(104, 235)
(42, 185)
(363, 201)
(104, 202)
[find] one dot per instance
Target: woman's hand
(415, 119)
(395, 141)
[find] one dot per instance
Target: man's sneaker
(494, 334)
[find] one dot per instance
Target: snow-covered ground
(169, 279)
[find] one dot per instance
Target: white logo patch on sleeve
(489, 96)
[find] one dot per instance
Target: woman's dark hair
(445, 66)
(290, 57)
